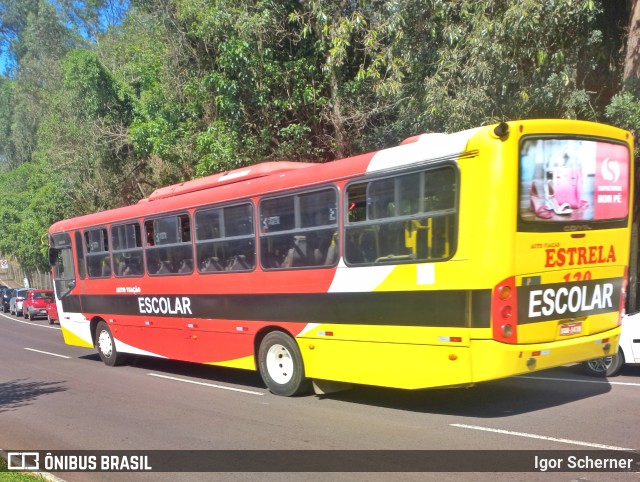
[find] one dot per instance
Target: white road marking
(29, 323)
(542, 437)
(250, 392)
(47, 353)
(608, 382)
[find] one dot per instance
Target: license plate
(568, 329)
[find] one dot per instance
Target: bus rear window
(572, 181)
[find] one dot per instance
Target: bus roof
(237, 175)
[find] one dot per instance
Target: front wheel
(106, 346)
(281, 365)
(608, 366)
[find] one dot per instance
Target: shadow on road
(18, 393)
(206, 373)
(495, 399)
(499, 398)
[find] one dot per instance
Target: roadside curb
(44, 475)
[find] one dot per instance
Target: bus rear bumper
(492, 360)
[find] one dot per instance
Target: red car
(52, 311)
(35, 304)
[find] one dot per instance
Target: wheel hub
(105, 344)
(279, 364)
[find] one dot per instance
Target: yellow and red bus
(447, 260)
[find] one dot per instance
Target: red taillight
(504, 310)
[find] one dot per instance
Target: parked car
(52, 311)
(35, 303)
(15, 304)
(628, 351)
(7, 293)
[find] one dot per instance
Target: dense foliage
(105, 100)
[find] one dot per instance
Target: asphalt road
(55, 397)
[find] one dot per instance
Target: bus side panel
(393, 365)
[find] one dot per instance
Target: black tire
(608, 366)
(281, 365)
(106, 346)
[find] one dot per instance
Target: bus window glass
(277, 215)
(312, 235)
(408, 194)
(357, 203)
(63, 274)
(409, 218)
(381, 199)
(572, 180)
(80, 255)
(238, 220)
(166, 231)
(318, 209)
(225, 239)
(127, 250)
(169, 249)
(208, 224)
(97, 253)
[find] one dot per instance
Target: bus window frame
(221, 239)
(140, 249)
(393, 174)
(296, 193)
(147, 247)
(79, 253)
(525, 226)
(107, 251)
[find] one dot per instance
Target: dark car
(7, 293)
(35, 303)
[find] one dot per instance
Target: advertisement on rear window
(572, 180)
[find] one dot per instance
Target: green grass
(6, 476)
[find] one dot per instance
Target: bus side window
(299, 230)
(409, 217)
(97, 253)
(126, 244)
(169, 249)
(225, 239)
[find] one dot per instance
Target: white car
(628, 351)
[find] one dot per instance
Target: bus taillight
(504, 312)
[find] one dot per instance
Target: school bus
(447, 260)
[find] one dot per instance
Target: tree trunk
(632, 59)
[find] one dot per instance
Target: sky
(112, 13)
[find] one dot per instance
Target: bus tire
(608, 366)
(106, 346)
(281, 366)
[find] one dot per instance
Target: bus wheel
(106, 346)
(281, 365)
(607, 366)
